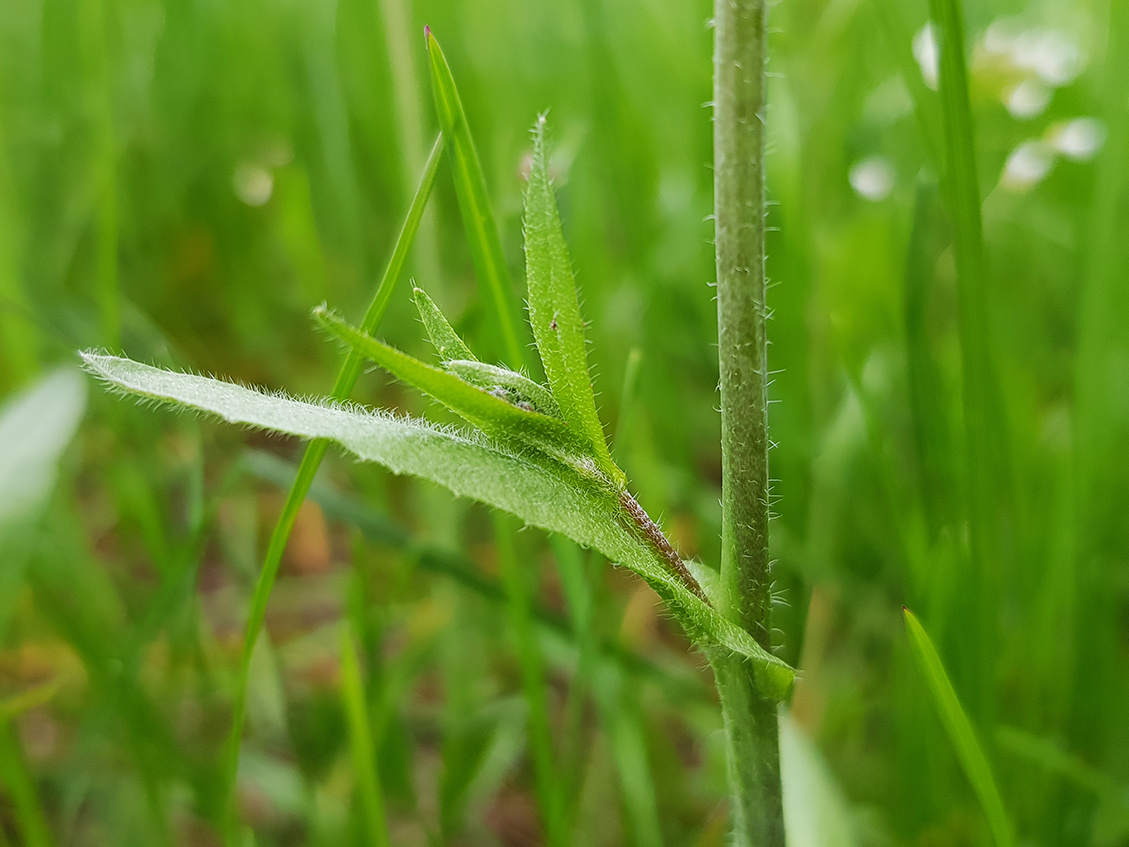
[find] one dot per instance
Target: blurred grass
(190, 179)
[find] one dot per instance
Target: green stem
(752, 742)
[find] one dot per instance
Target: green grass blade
(519, 608)
(493, 415)
(957, 725)
(447, 343)
(986, 465)
(621, 714)
(553, 308)
(361, 743)
(927, 407)
(987, 462)
(315, 452)
(17, 778)
(478, 216)
(542, 491)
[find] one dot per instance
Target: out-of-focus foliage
(182, 181)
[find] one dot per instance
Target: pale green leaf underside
(530, 485)
(35, 427)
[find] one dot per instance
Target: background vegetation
(183, 180)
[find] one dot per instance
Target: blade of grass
(575, 571)
(899, 38)
(519, 606)
(1100, 385)
(621, 714)
(95, 57)
(402, 67)
(315, 452)
(493, 276)
(16, 775)
(361, 743)
(17, 335)
(959, 729)
(986, 456)
(478, 216)
(930, 424)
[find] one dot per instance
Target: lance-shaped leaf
(490, 412)
(536, 488)
(443, 337)
(519, 388)
(553, 309)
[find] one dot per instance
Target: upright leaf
(553, 309)
(470, 186)
(957, 725)
(443, 337)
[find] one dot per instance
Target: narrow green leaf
(957, 725)
(519, 388)
(315, 452)
(553, 309)
(987, 460)
(489, 412)
(543, 492)
(19, 783)
(446, 341)
(361, 743)
(470, 187)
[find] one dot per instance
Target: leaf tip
(427, 36)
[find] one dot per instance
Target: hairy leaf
(553, 309)
(446, 341)
(520, 387)
(489, 412)
(534, 487)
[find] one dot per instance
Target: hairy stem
(745, 597)
(659, 543)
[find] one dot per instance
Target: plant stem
(739, 150)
